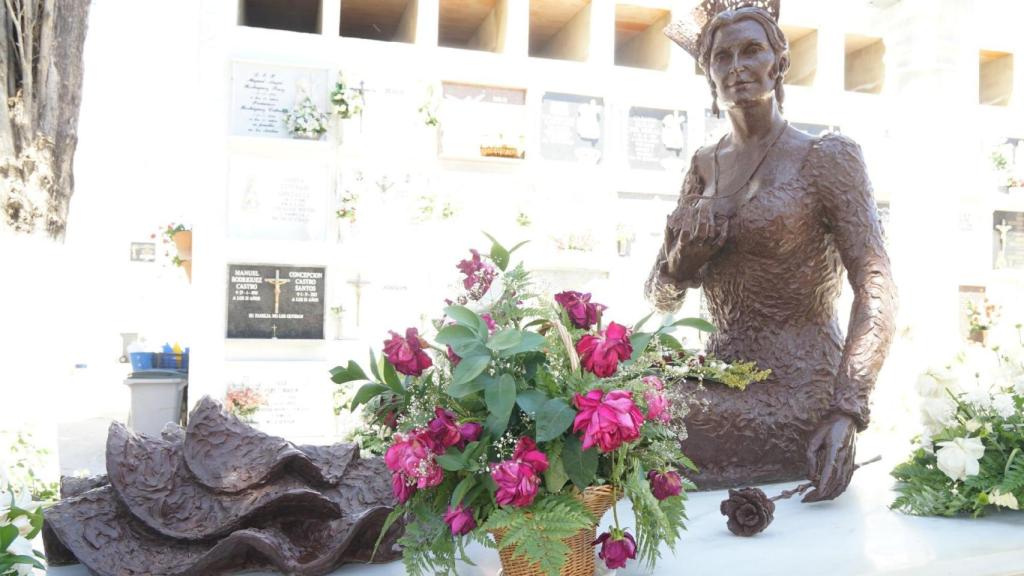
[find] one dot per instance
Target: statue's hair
(776, 39)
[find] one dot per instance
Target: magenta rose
(657, 407)
(402, 488)
(406, 354)
(665, 484)
(582, 312)
(470, 432)
(460, 520)
(519, 478)
(601, 355)
(653, 382)
(479, 275)
(443, 430)
(616, 548)
(412, 456)
(607, 420)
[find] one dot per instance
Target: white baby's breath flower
(1003, 405)
(973, 425)
(1007, 500)
(979, 397)
(959, 457)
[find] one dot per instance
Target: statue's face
(742, 62)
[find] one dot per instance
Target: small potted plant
(338, 313)
(980, 319)
(306, 121)
(180, 236)
(347, 103)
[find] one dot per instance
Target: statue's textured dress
(771, 291)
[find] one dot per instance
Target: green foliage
(580, 465)
(28, 467)
(538, 536)
(657, 520)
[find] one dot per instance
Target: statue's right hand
(692, 237)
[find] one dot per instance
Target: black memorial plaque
(266, 301)
(657, 138)
(572, 128)
(1008, 229)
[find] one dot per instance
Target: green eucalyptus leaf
(464, 317)
(580, 465)
(555, 476)
(366, 393)
(456, 335)
(500, 398)
(530, 401)
(391, 379)
(669, 341)
(518, 246)
(341, 375)
(640, 340)
(699, 324)
(451, 460)
(640, 323)
(374, 369)
(462, 488)
(505, 339)
(469, 368)
(554, 418)
(530, 342)
(466, 388)
(471, 348)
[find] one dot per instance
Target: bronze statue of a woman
(766, 221)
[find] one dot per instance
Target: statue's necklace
(764, 156)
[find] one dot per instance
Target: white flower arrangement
(21, 520)
(306, 120)
(347, 102)
(973, 411)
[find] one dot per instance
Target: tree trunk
(41, 44)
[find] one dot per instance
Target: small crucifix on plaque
(358, 284)
(1003, 230)
(277, 282)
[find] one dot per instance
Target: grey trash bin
(156, 399)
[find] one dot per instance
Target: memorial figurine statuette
(767, 219)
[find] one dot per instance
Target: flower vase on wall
(977, 336)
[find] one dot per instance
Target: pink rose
(657, 407)
(582, 312)
(601, 355)
(402, 489)
(406, 354)
(443, 429)
(653, 382)
(479, 275)
(412, 457)
(665, 484)
(607, 420)
(470, 432)
(518, 478)
(460, 520)
(616, 550)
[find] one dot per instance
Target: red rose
(460, 520)
(479, 275)
(657, 407)
(616, 547)
(607, 420)
(406, 354)
(401, 488)
(443, 430)
(582, 312)
(665, 484)
(470, 432)
(601, 355)
(519, 478)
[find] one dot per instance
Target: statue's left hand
(830, 457)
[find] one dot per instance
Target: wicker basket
(580, 561)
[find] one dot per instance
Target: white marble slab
(855, 535)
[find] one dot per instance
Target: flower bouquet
(519, 423)
(306, 120)
(346, 101)
(971, 453)
(244, 402)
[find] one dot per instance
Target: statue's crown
(687, 31)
